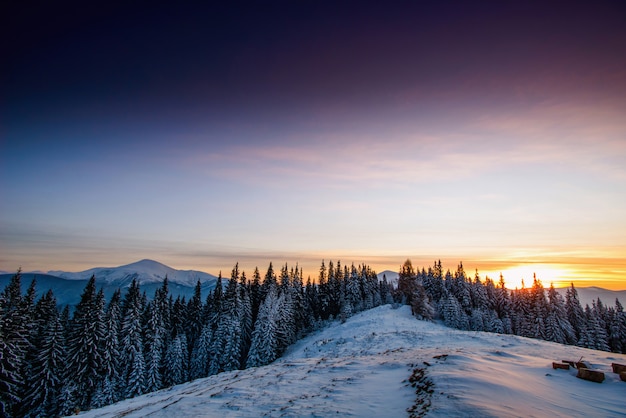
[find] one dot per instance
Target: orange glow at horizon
(522, 275)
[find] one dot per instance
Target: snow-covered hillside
(362, 368)
(145, 271)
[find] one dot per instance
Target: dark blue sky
(191, 134)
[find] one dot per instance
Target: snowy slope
(360, 368)
(145, 271)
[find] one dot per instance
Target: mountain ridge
(144, 271)
(68, 286)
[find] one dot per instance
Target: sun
(515, 275)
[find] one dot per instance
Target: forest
(60, 361)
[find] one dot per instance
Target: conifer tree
(619, 332)
(46, 371)
(175, 371)
(106, 392)
(132, 361)
(155, 337)
(538, 309)
(193, 316)
(265, 344)
(201, 355)
(558, 327)
(14, 333)
(85, 359)
(255, 293)
(575, 313)
(227, 344)
(245, 317)
(455, 314)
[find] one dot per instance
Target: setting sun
(523, 274)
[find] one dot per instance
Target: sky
(491, 133)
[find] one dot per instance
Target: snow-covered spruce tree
(353, 295)
(193, 317)
(593, 334)
(522, 307)
(453, 315)
(493, 323)
(575, 313)
(213, 306)
(132, 362)
(316, 293)
(461, 288)
(201, 354)
(175, 371)
(85, 360)
(155, 337)
(597, 325)
(177, 317)
(286, 324)
(433, 281)
(613, 331)
(333, 289)
(269, 280)
(245, 317)
(14, 333)
(265, 346)
(539, 309)
(47, 361)
(558, 327)
(227, 344)
(502, 305)
(106, 393)
(410, 291)
(477, 321)
(618, 329)
(478, 294)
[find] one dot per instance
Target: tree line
(57, 362)
(468, 303)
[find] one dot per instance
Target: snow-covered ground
(361, 368)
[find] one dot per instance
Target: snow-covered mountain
(68, 287)
(383, 362)
(144, 271)
(391, 276)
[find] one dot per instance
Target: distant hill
(587, 295)
(67, 287)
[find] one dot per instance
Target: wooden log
(622, 376)
(582, 365)
(564, 366)
(591, 375)
(618, 368)
(572, 363)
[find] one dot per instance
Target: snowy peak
(391, 276)
(144, 271)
